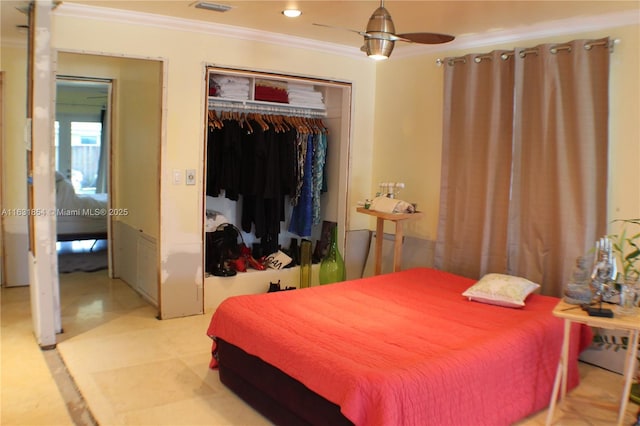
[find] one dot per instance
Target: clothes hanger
(245, 122)
(214, 122)
(259, 118)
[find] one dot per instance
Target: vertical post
(564, 358)
(379, 241)
(630, 363)
(561, 372)
(397, 246)
(43, 270)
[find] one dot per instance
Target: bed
(398, 349)
(79, 216)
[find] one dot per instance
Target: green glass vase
(332, 267)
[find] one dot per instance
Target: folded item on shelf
(233, 87)
(305, 95)
(224, 80)
(272, 83)
(271, 94)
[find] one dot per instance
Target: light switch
(177, 176)
(190, 177)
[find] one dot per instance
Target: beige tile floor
(133, 369)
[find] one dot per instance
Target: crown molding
(466, 41)
(530, 32)
(81, 11)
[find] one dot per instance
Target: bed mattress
(78, 225)
(79, 216)
(405, 348)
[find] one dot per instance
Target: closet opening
(261, 187)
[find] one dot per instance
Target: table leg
(561, 372)
(565, 357)
(379, 240)
(629, 370)
(397, 247)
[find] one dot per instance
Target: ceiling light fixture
(378, 49)
(378, 45)
(380, 36)
(216, 7)
(292, 13)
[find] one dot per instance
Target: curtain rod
(523, 53)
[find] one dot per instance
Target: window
(78, 157)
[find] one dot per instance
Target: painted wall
(136, 131)
(14, 164)
(409, 96)
(137, 154)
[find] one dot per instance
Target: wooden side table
(399, 219)
(573, 313)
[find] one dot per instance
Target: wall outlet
(190, 177)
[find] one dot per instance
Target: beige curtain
(524, 161)
(559, 201)
(474, 197)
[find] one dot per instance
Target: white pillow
(502, 290)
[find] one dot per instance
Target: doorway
(133, 89)
(82, 146)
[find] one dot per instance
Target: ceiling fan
(380, 37)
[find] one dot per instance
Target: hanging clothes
(231, 158)
(302, 215)
(319, 160)
(214, 155)
(266, 161)
(288, 162)
(301, 153)
(224, 156)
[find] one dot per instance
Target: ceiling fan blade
(362, 33)
(426, 38)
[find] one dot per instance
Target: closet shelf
(227, 104)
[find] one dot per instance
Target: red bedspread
(406, 348)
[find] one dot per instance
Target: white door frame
(2, 248)
(43, 261)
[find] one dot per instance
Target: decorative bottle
(332, 267)
(305, 263)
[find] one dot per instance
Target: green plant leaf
(632, 255)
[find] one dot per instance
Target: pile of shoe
(273, 287)
(245, 258)
(321, 248)
(293, 252)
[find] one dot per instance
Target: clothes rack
(263, 107)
